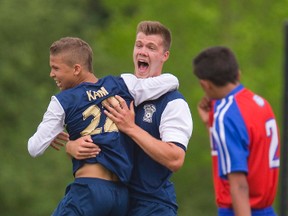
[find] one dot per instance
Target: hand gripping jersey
(245, 138)
(168, 119)
(79, 109)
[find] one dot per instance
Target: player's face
(149, 55)
(62, 73)
(207, 87)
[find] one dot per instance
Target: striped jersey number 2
(271, 131)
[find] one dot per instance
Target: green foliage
(253, 29)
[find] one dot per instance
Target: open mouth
(142, 65)
(58, 84)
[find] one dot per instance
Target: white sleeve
(51, 125)
(149, 88)
(176, 123)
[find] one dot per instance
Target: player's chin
(142, 73)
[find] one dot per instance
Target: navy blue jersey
(84, 116)
(150, 180)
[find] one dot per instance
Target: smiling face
(63, 74)
(149, 55)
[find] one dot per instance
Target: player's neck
(90, 77)
(224, 91)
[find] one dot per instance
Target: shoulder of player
(172, 95)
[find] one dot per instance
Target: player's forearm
(167, 154)
(45, 134)
(39, 142)
(241, 204)
(35, 148)
(239, 190)
(51, 125)
(150, 88)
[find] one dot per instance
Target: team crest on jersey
(149, 110)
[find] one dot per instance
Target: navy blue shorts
(147, 208)
(92, 196)
(255, 212)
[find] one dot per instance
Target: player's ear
(239, 75)
(166, 56)
(204, 84)
(77, 69)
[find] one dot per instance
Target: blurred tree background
(34, 186)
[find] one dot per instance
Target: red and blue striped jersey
(245, 138)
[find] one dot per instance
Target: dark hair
(156, 28)
(75, 51)
(216, 64)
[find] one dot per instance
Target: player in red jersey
(244, 137)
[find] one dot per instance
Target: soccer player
(160, 129)
(244, 137)
(99, 187)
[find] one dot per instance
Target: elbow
(32, 154)
(177, 160)
(32, 151)
(174, 166)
